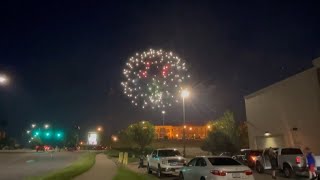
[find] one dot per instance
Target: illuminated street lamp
(114, 138)
(28, 132)
(99, 129)
(4, 80)
(163, 114)
(184, 94)
(33, 125)
(46, 126)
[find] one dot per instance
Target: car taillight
(248, 172)
(254, 158)
(218, 173)
(298, 160)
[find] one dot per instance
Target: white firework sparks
(154, 78)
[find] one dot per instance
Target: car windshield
(167, 153)
(223, 162)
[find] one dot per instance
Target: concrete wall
(289, 110)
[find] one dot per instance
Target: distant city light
(46, 126)
(114, 138)
(33, 125)
(28, 132)
(4, 80)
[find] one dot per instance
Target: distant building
(286, 113)
(176, 132)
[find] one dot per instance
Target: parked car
(289, 160)
(215, 168)
(250, 157)
(228, 154)
(165, 161)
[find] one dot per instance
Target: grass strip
(125, 173)
(83, 164)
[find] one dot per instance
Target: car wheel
(259, 168)
(288, 172)
(159, 173)
(181, 176)
(149, 170)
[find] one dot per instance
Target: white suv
(165, 161)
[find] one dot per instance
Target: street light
(114, 138)
(184, 94)
(33, 125)
(99, 129)
(46, 126)
(28, 132)
(163, 114)
(4, 80)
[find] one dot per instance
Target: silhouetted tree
(141, 133)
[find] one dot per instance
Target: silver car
(215, 168)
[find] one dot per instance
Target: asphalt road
(17, 166)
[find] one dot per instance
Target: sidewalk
(103, 169)
(134, 167)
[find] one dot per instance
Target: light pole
(163, 114)
(184, 94)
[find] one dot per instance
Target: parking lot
(257, 176)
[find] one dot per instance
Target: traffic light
(59, 135)
(36, 133)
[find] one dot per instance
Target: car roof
(167, 149)
(214, 157)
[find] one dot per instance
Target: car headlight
(164, 162)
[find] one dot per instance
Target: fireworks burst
(154, 79)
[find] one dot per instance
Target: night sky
(65, 59)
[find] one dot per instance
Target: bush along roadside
(83, 164)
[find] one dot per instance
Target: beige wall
(291, 103)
